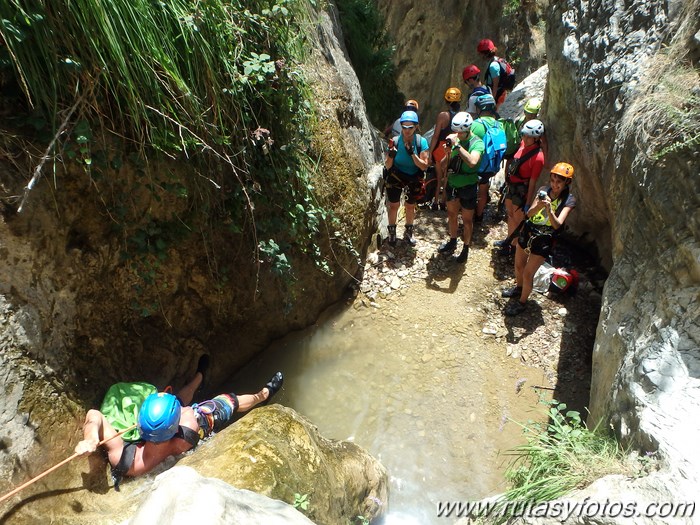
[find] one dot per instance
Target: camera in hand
(542, 195)
(448, 142)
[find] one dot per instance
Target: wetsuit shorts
(536, 240)
(517, 192)
(467, 195)
(397, 181)
(215, 414)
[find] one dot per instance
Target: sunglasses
(407, 127)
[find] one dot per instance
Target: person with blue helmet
(406, 160)
(167, 425)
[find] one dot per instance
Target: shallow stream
(416, 382)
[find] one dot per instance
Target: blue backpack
(495, 145)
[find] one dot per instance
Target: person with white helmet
(543, 221)
(167, 426)
(522, 173)
(465, 150)
(405, 163)
(453, 97)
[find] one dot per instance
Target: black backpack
(506, 77)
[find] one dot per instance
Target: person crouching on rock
(406, 160)
(544, 220)
(167, 426)
(465, 151)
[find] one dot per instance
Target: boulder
(277, 452)
(181, 496)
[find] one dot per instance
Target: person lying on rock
(168, 426)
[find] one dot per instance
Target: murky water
(422, 389)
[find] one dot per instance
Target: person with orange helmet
(453, 97)
(543, 222)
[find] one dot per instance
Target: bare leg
(483, 195)
(520, 262)
(393, 211)
(533, 263)
(468, 223)
(452, 213)
(186, 393)
(410, 213)
(248, 401)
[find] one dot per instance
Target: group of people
(456, 150)
(168, 425)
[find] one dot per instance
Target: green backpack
(121, 406)
(512, 135)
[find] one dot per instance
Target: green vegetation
(664, 117)
(371, 54)
(301, 501)
(558, 457)
(122, 88)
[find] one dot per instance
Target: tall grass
(560, 457)
(150, 65)
(215, 83)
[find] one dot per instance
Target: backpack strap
(125, 462)
(189, 435)
(522, 160)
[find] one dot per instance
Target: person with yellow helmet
(453, 97)
(544, 220)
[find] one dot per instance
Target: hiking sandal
(273, 386)
(515, 308)
(515, 291)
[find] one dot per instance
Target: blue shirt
(403, 161)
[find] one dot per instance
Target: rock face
(435, 41)
(69, 325)
(640, 204)
(274, 451)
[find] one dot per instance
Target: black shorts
(466, 194)
(485, 178)
(536, 240)
(397, 181)
(517, 192)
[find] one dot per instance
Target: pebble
(562, 312)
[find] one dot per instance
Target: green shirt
(467, 175)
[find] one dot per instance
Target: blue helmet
(485, 101)
(159, 417)
(409, 116)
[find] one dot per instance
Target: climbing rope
(67, 460)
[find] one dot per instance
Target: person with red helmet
(543, 221)
(470, 74)
(492, 77)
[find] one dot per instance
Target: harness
(129, 453)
